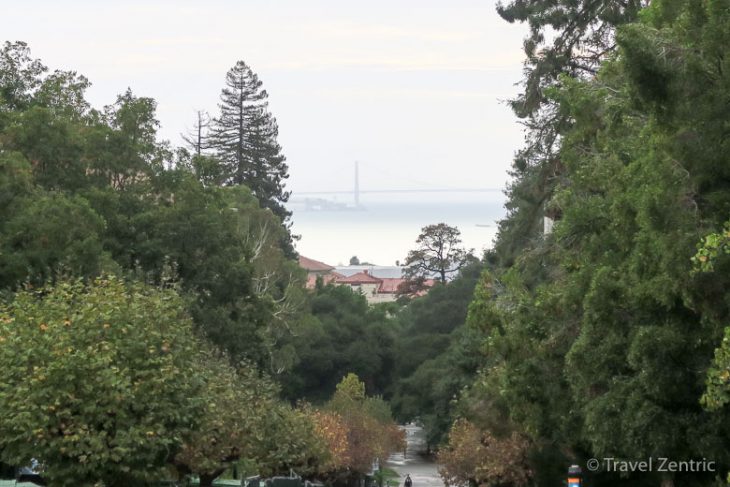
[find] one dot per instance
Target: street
(423, 472)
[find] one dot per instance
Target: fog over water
(386, 229)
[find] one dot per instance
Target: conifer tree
(244, 139)
(197, 138)
(565, 37)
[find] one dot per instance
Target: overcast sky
(414, 89)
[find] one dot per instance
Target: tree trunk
(206, 479)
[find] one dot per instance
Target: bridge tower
(357, 184)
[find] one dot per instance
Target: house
(377, 289)
(366, 284)
(316, 269)
(378, 285)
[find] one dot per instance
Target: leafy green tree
(64, 93)
(244, 139)
(439, 254)
(20, 76)
(565, 38)
(160, 216)
(206, 168)
(371, 432)
(351, 388)
(98, 381)
(427, 394)
(236, 403)
(474, 457)
(290, 443)
(713, 251)
(37, 241)
(638, 312)
(52, 143)
(225, 250)
(436, 355)
(717, 394)
(124, 151)
(16, 183)
(603, 311)
(343, 335)
(49, 130)
(135, 212)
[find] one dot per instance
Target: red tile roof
(326, 279)
(313, 265)
(390, 284)
(359, 278)
(386, 285)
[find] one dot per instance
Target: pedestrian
(408, 482)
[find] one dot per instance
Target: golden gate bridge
(356, 191)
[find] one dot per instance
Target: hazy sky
(413, 89)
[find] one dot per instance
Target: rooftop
(379, 271)
(360, 278)
(312, 265)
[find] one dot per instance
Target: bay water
(385, 227)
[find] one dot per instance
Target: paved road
(423, 472)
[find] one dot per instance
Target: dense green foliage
(418, 354)
(476, 457)
(137, 208)
(342, 335)
(597, 338)
(713, 250)
(436, 355)
(371, 433)
(605, 337)
(565, 38)
(232, 418)
(98, 381)
(149, 293)
(87, 192)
